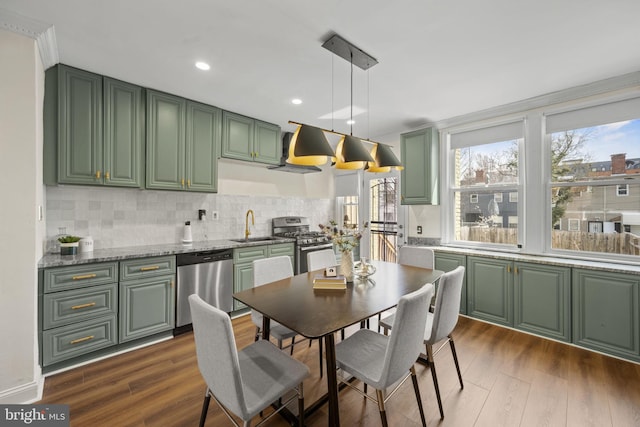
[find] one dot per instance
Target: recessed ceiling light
(202, 65)
(296, 101)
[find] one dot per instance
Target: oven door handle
(315, 247)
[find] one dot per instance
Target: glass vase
(346, 265)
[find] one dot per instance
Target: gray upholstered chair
(440, 323)
(379, 360)
(415, 256)
(242, 382)
(321, 259)
(265, 271)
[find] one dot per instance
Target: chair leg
(300, 406)
(455, 359)
(380, 320)
(293, 341)
(432, 365)
(417, 390)
(342, 334)
(257, 337)
(383, 413)
(205, 408)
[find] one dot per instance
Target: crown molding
(44, 34)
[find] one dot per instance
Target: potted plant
(69, 245)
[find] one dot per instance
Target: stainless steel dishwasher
(208, 274)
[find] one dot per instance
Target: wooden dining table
(317, 314)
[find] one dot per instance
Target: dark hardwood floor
(510, 378)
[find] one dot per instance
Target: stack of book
(326, 282)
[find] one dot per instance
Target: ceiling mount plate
(344, 49)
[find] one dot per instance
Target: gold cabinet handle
(515, 270)
(97, 174)
(149, 268)
(189, 183)
(508, 269)
(182, 182)
(256, 154)
(79, 340)
(107, 176)
(172, 283)
(84, 276)
(77, 307)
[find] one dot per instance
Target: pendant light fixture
(309, 147)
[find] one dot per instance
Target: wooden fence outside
(617, 243)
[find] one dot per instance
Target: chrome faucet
(246, 223)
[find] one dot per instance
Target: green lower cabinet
(67, 342)
(147, 306)
(490, 289)
(542, 300)
(448, 262)
(606, 312)
(243, 265)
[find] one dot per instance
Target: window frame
(534, 226)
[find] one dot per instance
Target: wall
(117, 217)
(21, 98)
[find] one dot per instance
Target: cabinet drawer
(147, 267)
(281, 249)
(63, 308)
(249, 254)
(70, 341)
(80, 276)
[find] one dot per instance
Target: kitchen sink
(254, 239)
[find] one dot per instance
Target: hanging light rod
(336, 133)
(349, 52)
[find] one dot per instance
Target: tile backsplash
(116, 217)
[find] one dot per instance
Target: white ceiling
(438, 59)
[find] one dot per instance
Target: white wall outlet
(214, 215)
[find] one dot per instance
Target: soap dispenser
(187, 237)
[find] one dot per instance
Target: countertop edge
(130, 252)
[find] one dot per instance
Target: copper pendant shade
(351, 154)
(309, 147)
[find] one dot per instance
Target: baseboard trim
(23, 394)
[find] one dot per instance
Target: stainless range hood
(287, 167)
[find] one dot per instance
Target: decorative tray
(363, 270)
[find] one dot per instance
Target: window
(622, 189)
(513, 197)
(591, 151)
(485, 164)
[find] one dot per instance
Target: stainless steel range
(297, 227)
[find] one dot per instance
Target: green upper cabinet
(419, 178)
(93, 132)
(244, 138)
(123, 134)
(182, 144)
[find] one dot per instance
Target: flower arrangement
(345, 238)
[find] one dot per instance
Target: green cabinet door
(542, 300)
(606, 312)
(202, 147)
(242, 280)
(79, 126)
(165, 141)
(419, 178)
(123, 134)
(147, 306)
(490, 289)
(237, 136)
(448, 262)
(267, 143)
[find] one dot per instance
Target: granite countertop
(621, 267)
(116, 254)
